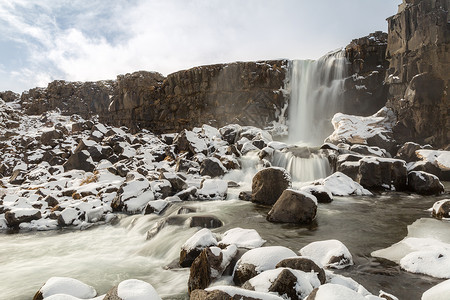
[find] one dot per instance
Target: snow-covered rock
(242, 238)
(213, 189)
(441, 209)
(195, 244)
(65, 286)
(132, 289)
(440, 291)
(340, 184)
(329, 253)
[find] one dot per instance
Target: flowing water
(315, 93)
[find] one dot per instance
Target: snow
(24, 212)
(440, 291)
(242, 238)
(133, 289)
(233, 291)
(277, 145)
(213, 189)
(426, 249)
(201, 239)
(437, 206)
(324, 251)
(436, 157)
(160, 205)
(198, 144)
(265, 258)
(357, 129)
(316, 188)
(68, 286)
(330, 291)
(340, 184)
(306, 282)
(347, 282)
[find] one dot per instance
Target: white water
(302, 169)
(316, 89)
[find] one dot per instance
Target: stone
(329, 253)
(18, 177)
(79, 161)
(322, 194)
(303, 264)
(441, 209)
(294, 207)
(424, 183)
(65, 287)
(14, 218)
(382, 173)
(204, 222)
(176, 182)
(132, 289)
(268, 185)
(407, 152)
(245, 195)
(195, 245)
(213, 167)
(51, 137)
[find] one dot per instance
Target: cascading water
(316, 90)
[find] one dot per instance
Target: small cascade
(316, 90)
(311, 167)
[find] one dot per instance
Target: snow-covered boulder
(20, 215)
(285, 282)
(441, 209)
(268, 185)
(213, 189)
(375, 130)
(80, 161)
(258, 260)
(303, 264)
(133, 196)
(65, 286)
(294, 207)
(242, 238)
(438, 158)
(194, 245)
(371, 151)
(213, 167)
(189, 141)
(329, 253)
(132, 289)
(231, 292)
(424, 183)
(330, 291)
(209, 265)
(340, 184)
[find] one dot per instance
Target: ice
(242, 238)
(425, 250)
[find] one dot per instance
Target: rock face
(365, 92)
(418, 77)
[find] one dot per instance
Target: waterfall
(316, 89)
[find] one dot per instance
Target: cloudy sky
(88, 40)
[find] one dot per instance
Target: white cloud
(88, 40)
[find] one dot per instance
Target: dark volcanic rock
(14, 218)
(268, 185)
(80, 161)
(424, 183)
(293, 207)
(418, 75)
(213, 167)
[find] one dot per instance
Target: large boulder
(424, 183)
(213, 167)
(133, 196)
(382, 173)
(294, 207)
(209, 265)
(192, 248)
(21, 215)
(51, 137)
(80, 161)
(268, 185)
(189, 141)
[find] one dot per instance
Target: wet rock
(379, 173)
(441, 209)
(424, 183)
(322, 194)
(195, 245)
(303, 264)
(246, 196)
(17, 216)
(80, 161)
(205, 222)
(213, 167)
(294, 207)
(268, 185)
(407, 152)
